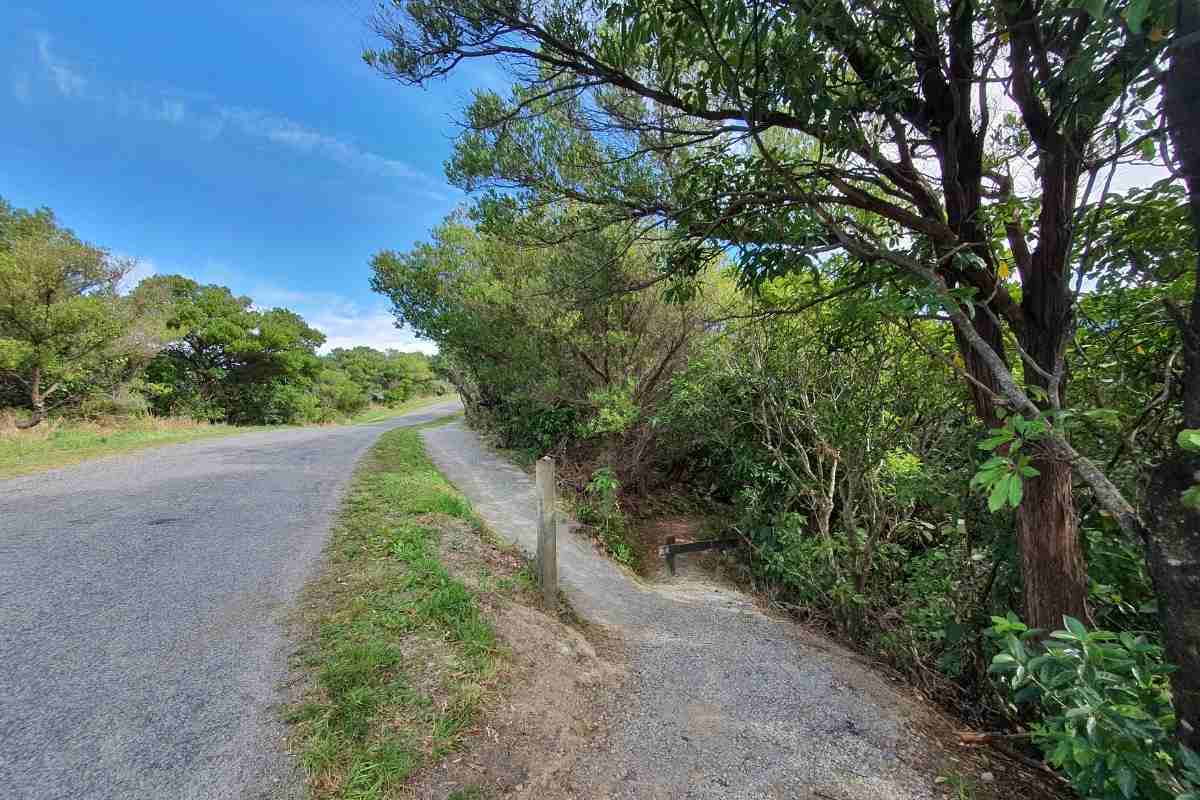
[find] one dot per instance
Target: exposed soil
(553, 695)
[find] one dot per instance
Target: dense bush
(1106, 715)
(844, 458)
(545, 348)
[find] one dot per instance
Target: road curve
(141, 605)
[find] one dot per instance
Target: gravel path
(723, 701)
(141, 601)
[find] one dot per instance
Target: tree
(386, 377)
(59, 308)
(1172, 530)
(543, 344)
(226, 360)
(946, 148)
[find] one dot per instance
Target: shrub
(602, 510)
(1107, 720)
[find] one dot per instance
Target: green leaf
(1127, 781)
(999, 495)
(1189, 439)
(1075, 626)
(1016, 490)
(1002, 662)
(1027, 694)
(1135, 14)
(1191, 498)
(1095, 8)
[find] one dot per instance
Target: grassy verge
(399, 656)
(58, 443)
(61, 442)
(377, 413)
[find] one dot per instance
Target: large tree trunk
(1053, 572)
(37, 400)
(1053, 569)
(1173, 531)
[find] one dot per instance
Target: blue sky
(237, 143)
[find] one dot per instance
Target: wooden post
(547, 549)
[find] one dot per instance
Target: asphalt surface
(142, 600)
(723, 702)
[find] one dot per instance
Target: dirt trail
(721, 701)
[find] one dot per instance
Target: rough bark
(1052, 563)
(37, 400)
(1172, 534)
(1047, 529)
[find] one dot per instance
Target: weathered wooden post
(547, 549)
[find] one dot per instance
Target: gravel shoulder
(141, 607)
(721, 700)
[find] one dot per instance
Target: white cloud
(375, 328)
(213, 120)
(159, 109)
(70, 82)
(296, 136)
(142, 268)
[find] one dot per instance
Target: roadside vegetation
(59, 442)
(62, 440)
(858, 284)
(399, 657)
(88, 368)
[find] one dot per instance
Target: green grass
(57, 443)
(62, 442)
(399, 655)
(377, 413)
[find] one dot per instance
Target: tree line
(73, 342)
(857, 273)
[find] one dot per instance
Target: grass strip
(58, 444)
(379, 413)
(399, 656)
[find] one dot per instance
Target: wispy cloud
(303, 139)
(70, 82)
(160, 109)
(213, 119)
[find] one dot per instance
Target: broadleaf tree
(60, 312)
(949, 151)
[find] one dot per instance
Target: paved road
(723, 702)
(141, 598)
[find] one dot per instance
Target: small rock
(987, 777)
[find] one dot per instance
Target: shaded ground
(720, 700)
(140, 606)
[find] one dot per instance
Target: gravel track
(142, 598)
(722, 701)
